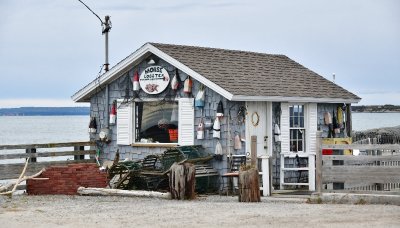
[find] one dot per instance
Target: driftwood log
(119, 192)
(182, 181)
(6, 189)
(249, 187)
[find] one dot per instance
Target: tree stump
(182, 181)
(249, 187)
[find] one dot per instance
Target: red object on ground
(65, 180)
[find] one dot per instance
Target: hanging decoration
(174, 113)
(220, 109)
(175, 81)
(327, 118)
(92, 125)
(136, 86)
(255, 119)
(216, 129)
(200, 97)
(113, 113)
(187, 85)
(277, 133)
(340, 116)
(218, 151)
(200, 129)
(336, 127)
(238, 141)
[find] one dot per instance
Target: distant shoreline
(45, 111)
(376, 108)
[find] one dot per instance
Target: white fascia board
(192, 73)
(293, 99)
(112, 73)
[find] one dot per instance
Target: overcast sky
(49, 49)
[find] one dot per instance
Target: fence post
(318, 162)
(79, 148)
(31, 151)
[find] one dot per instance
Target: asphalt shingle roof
(255, 74)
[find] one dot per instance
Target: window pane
(156, 122)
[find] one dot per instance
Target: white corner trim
(128, 61)
(293, 99)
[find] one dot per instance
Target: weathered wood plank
(46, 154)
(47, 145)
(361, 146)
(374, 174)
(394, 160)
(12, 171)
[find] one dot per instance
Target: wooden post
(249, 187)
(266, 177)
(348, 120)
(182, 181)
(253, 151)
(318, 162)
(31, 151)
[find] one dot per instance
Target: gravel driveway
(210, 211)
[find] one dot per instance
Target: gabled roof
(236, 75)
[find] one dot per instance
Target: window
(151, 121)
(297, 129)
(156, 122)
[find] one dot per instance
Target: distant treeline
(376, 108)
(44, 111)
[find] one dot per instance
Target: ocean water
(53, 129)
(364, 121)
(43, 129)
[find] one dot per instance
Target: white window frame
(304, 128)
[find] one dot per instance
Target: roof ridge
(219, 49)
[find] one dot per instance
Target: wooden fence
(12, 158)
(375, 168)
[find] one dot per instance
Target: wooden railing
(376, 168)
(11, 156)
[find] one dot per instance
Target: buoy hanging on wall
(216, 129)
(175, 81)
(187, 86)
(113, 113)
(220, 109)
(136, 86)
(200, 130)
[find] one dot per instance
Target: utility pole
(106, 30)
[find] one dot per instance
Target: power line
(92, 12)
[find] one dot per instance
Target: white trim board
(294, 99)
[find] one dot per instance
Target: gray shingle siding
(117, 91)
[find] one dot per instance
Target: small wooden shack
(173, 95)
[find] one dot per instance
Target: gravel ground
(210, 211)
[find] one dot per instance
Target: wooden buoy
(182, 181)
(249, 187)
